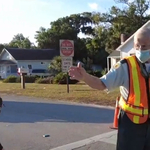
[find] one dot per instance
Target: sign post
(66, 53)
(23, 80)
(22, 72)
(66, 63)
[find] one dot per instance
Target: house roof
(7, 62)
(32, 54)
(114, 54)
(131, 37)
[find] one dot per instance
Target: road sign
(66, 48)
(66, 63)
(23, 70)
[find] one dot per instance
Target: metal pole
(22, 81)
(67, 83)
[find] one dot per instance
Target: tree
(1, 47)
(104, 30)
(43, 38)
(126, 20)
(19, 41)
(64, 28)
(55, 65)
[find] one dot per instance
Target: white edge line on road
(102, 137)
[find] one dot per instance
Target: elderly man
(132, 76)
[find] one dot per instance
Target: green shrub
(18, 80)
(14, 79)
(72, 81)
(61, 78)
(97, 73)
(28, 79)
(103, 72)
(31, 79)
(48, 80)
(10, 79)
(90, 72)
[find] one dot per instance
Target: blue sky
(27, 16)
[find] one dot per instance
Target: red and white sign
(67, 48)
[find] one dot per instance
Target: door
(3, 72)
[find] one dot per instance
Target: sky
(27, 16)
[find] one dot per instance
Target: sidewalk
(98, 146)
(106, 141)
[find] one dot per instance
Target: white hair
(142, 32)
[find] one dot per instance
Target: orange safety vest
(136, 105)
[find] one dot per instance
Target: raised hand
(77, 72)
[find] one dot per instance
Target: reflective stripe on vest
(136, 105)
(135, 110)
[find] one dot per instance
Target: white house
(113, 58)
(36, 60)
(124, 50)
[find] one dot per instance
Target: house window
(117, 59)
(30, 66)
(13, 69)
(8, 69)
(39, 71)
(1, 69)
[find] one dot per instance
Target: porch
(112, 59)
(7, 68)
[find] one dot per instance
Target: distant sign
(66, 63)
(67, 48)
(23, 70)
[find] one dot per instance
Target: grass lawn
(77, 93)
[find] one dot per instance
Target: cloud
(129, 1)
(93, 6)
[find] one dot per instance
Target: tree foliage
(19, 41)
(55, 65)
(101, 31)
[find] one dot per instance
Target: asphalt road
(24, 121)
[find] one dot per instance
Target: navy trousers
(1, 147)
(132, 136)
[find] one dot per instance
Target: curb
(105, 137)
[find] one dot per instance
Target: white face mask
(142, 55)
